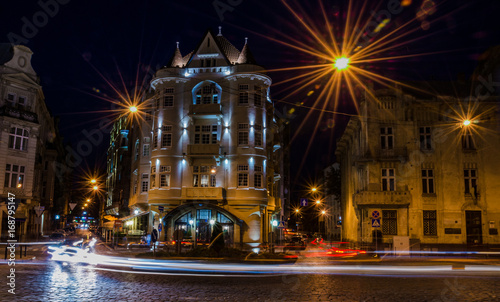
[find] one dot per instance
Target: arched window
(206, 92)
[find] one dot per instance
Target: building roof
(246, 56)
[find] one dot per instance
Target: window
(165, 169)
(242, 175)
(243, 98)
(425, 138)
(166, 140)
(168, 101)
(258, 135)
(14, 176)
(145, 186)
(257, 97)
(165, 176)
(203, 176)
(164, 180)
(389, 222)
(470, 179)
(205, 134)
(11, 99)
(388, 180)
(155, 141)
(243, 134)
(386, 138)
(468, 141)
(169, 90)
(208, 94)
(153, 180)
(18, 139)
(145, 150)
(257, 180)
(427, 181)
(136, 155)
(430, 223)
(21, 102)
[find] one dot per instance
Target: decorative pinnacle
(177, 44)
(220, 31)
(246, 40)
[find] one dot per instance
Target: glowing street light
(341, 63)
(88, 199)
(95, 188)
(466, 122)
(85, 205)
(93, 181)
(318, 201)
(297, 210)
(323, 212)
(314, 189)
(132, 109)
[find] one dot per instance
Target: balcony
(202, 150)
(19, 114)
(205, 110)
(395, 154)
(382, 198)
(202, 193)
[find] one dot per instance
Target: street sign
(303, 202)
(376, 223)
(160, 227)
(72, 205)
(375, 214)
(281, 225)
(39, 210)
(154, 235)
(160, 208)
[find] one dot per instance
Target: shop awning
(133, 216)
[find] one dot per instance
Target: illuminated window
(427, 181)
(208, 94)
(242, 175)
(165, 176)
(18, 139)
(14, 176)
(203, 176)
(258, 177)
(470, 181)
(153, 180)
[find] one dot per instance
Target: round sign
(375, 214)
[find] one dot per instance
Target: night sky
(84, 39)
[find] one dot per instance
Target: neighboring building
(430, 177)
(209, 149)
(118, 169)
(27, 151)
(332, 220)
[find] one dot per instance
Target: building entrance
(473, 227)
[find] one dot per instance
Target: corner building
(411, 162)
(215, 149)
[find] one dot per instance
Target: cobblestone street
(48, 281)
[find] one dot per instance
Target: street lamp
(93, 181)
(132, 109)
(466, 123)
(95, 188)
(341, 63)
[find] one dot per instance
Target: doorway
(473, 227)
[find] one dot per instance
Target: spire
(246, 56)
(177, 60)
(220, 31)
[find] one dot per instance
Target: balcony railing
(205, 110)
(19, 114)
(394, 154)
(204, 150)
(381, 198)
(201, 193)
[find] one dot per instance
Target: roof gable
(209, 48)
